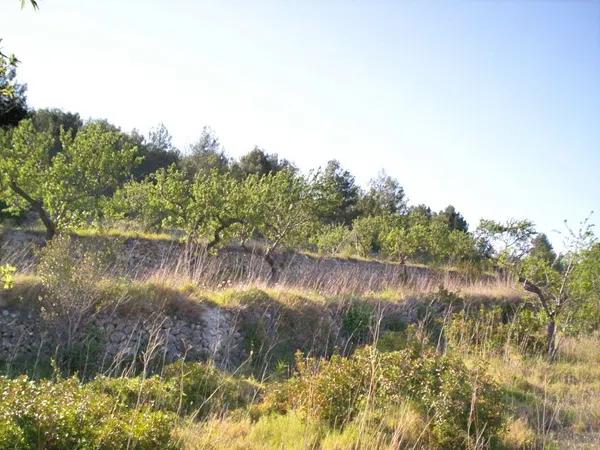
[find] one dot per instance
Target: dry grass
(162, 259)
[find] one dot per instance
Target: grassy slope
(550, 404)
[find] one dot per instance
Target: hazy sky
(491, 106)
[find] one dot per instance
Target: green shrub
(458, 403)
(357, 321)
(69, 415)
(492, 329)
(184, 388)
(205, 388)
(369, 232)
(153, 392)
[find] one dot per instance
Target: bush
(153, 392)
(184, 388)
(492, 329)
(357, 321)
(207, 389)
(68, 415)
(458, 403)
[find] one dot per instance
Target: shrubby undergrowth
(461, 406)
(66, 414)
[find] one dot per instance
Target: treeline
(72, 173)
(76, 174)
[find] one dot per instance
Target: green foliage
(66, 189)
(183, 388)
(205, 389)
(495, 329)
(55, 122)
(157, 152)
(208, 206)
(358, 320)
(205, 156)
(452, 219)
(542, 249)
(340, 182)
(70, 274)
(68, 415)
(459, 403)
(385, 196)
(429, 241)
(333, 240)
(509, 240)
(370, 232)
(287, 208)
(584, 314)
(405, 243)
(258, 162)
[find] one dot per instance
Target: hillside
(133, 311)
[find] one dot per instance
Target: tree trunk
(551, 336)
(48, 223)
(38, 207)
(274, 274)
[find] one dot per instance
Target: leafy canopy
(70, 186)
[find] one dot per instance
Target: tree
(161, 201)
(66, 189)
(403, 243)
(452, 219)
(13, 101)
(561, 284)
(285, 210)
(340, 182)
(223, 202)
(385, 196)
(209, 206)
(419, 215)
(205, 155)
(157, 151)
(54, 121)
(541, 248)
(585, 314)
(510, 240)
(369, 233)
(258, 162)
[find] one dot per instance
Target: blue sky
(490, 106)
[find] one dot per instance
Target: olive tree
(68, 188)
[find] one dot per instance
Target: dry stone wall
(115, 339)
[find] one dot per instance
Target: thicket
(462, 406)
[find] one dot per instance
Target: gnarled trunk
(38, 207)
